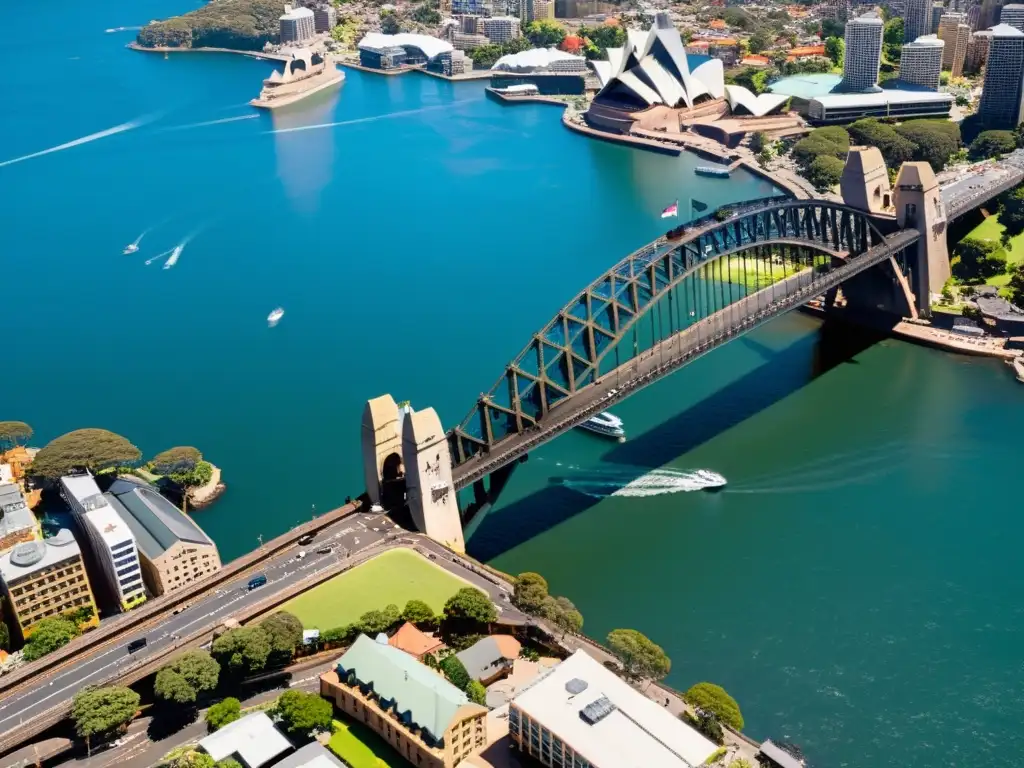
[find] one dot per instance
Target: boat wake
(371, 119)
(623, 482)
(78, 142)
(205, 123)
(122, 29)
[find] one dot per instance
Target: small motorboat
(130, 248)
(712, 480)
(275, 317)
(607, 424)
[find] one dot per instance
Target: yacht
(275, 317)
(607, 424)
(130, 248)
(712, 480)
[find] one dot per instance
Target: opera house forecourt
(648, 84)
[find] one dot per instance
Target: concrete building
(839, 108)
(325, 18)
(17, 523)
(917, 20)
(582, 714)
(954, 32)
(173, 550)
(991, 13)
(963, 38)
(1000, 106)
(110, 539)
(977, 53)
(252, 740)
(921, 62)
(1013, 15)
(313, 755)
(543, 9)
(501, 29)
(42, 579)
(463, 41)
(297, 25)
(973, 15)
(490, 658)
(416, 50)
(937, 10)
(452, 63)
(421, 715)
(863, 54)
(471, 7)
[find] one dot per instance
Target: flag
(698, 206)
(672, 210)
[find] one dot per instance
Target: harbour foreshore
(171, 49)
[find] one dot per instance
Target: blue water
(855, 585)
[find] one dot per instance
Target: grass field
(360, 747)
(991, 229)
(395, 576)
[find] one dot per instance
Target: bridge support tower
(430, 491)
(381, 445)
(919, 206)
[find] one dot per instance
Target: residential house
(415, 642)
(491, 658)
(252, 740)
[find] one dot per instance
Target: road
(348, 536)
(967, 187)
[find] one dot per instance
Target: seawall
(616, 138)
(252, 54)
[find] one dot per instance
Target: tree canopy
(529, 592)
(284, 631)
(544, 33)
(825, 171)
(182, 458)
(243, 650)
(389, 24)
(49, 635)
(92, 449)
(712, 698)
(830, 141)
(469, 604)
(240, 24)
(374, 622)
(992, 144)
(302, 714)
(99, 711)
(476, 692)
(975, 260)
(1011, 212)
(895, 149)
(183, 679)
(223, 712)
(563, 613)
(14, 433)
(455, 671)
(835, 49)
(934, 140)
(419, 613)
(640, 657)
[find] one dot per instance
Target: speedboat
(712, 480)
(130, 248)
(275, 317)
(607, 424)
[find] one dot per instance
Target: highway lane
(348, 536)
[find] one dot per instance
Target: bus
(257, 581)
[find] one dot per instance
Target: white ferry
(275, 317)
(712, 480)
(130, 248)
(607, 424)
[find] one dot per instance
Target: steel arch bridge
(564, 359)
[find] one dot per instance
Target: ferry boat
(607, 424)
(275, 317)
(130, 248)
(712, 480)
(713, 170)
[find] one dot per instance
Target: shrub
(476, 692)
(223, 712)
(455, 672)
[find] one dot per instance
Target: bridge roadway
(980, 182)
(673, 353)
(54, 690)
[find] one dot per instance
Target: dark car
(307, 538)
(135, 645)
(257, 581)
(325, 550)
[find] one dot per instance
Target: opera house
(648, 85)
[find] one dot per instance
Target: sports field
(395, 576)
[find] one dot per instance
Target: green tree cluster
(426, 13)
(49, 635)
(892, 40)
(389, 23)
(992, 144)
(419, 613)
(14, 433)
(240, 24)
(869, 132)
(484, 56)
(302, 714)
(601, 38)
(476, 692)
(183, 465)
(102, 711)
(640, 657)
(469, 609)
(455, 671)
(835, 49)
(182, 680)
(242, 651)
(223, 712)
(544, 33)
(1016, 285)
(92, 449)
(753, 79)
(284, 631)
(712, 698)
(372, 623)
(976, 260)
(930, 141)
(833, 28)
(530, 595)
(1011, 213)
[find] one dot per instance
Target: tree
(100, 711)
(456, 673)
(831, 140)
(302, 714)
(604, 37)
(192, 758)
(759, 41)
(92, 449)
(640, 657)
(976, 260)
(740, 762)
(895, 149)
(419, 613)
(936, 140)
(14, 433)
(183, 679)
(706, 724)
(470, 605)
(184, 466)
(563, 613)
(825, 171)
(529, 592)
(223, 712)
(544, 33)
(484, 56)
(712, 698)
(284, 631)
(389, 24)
(992, 144)
(835, 49)
(893, 34)
(1011, 212)
(374, 622)
(5, 637)
(49, 635)
(242, 651)
(230, 762)
(476, 692)
(426, 14)
(759, 141)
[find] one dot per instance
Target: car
(136, 645)
(257, 581)
(307, 538)
(302, 554)
(325, 550)
(432, 556)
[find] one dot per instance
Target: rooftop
(867, 18)
(100, 514)
(33, 556)
(890, 96)
(253, 738)
(609, 722)
(156, 523)
(1005, 30)
(420, 695)
(535, 58)
(926, 41)
(298, 13)
(14, 512)
(313, 755)
(487, 655)
(411, 640)
(431, 46)
(780, 756)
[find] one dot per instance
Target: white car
(301, 555)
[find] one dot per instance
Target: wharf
(505, 98)
(171, 49)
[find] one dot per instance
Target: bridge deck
(673, 353)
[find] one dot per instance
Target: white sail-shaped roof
(758, 106)
(603, 70)
(712, 75)
(671, 92)
(641, 89)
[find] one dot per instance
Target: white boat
(275, 317)
(712, 480)
(130, 248)
(174, 256)
(607, 424)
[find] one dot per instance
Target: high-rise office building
(1013, 15)
(963, 38)
(917, 20)
(977, 53)
(1000, 106)
(325, 18)
(297, 24)
(921, 62)
(974, 15)
(863, 54)
(500, 29)
(948, 25)
(991, 11)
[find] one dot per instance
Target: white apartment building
(1013, 15)
(921, 62)
(110, 538)
(500, 29)
(1000, 106)
(863, 54)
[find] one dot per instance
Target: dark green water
(855, 586)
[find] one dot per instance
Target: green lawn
(991, 229)
(395, 576)
(360, 747)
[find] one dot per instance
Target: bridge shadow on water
(782, 373)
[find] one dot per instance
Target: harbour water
(855, 585)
